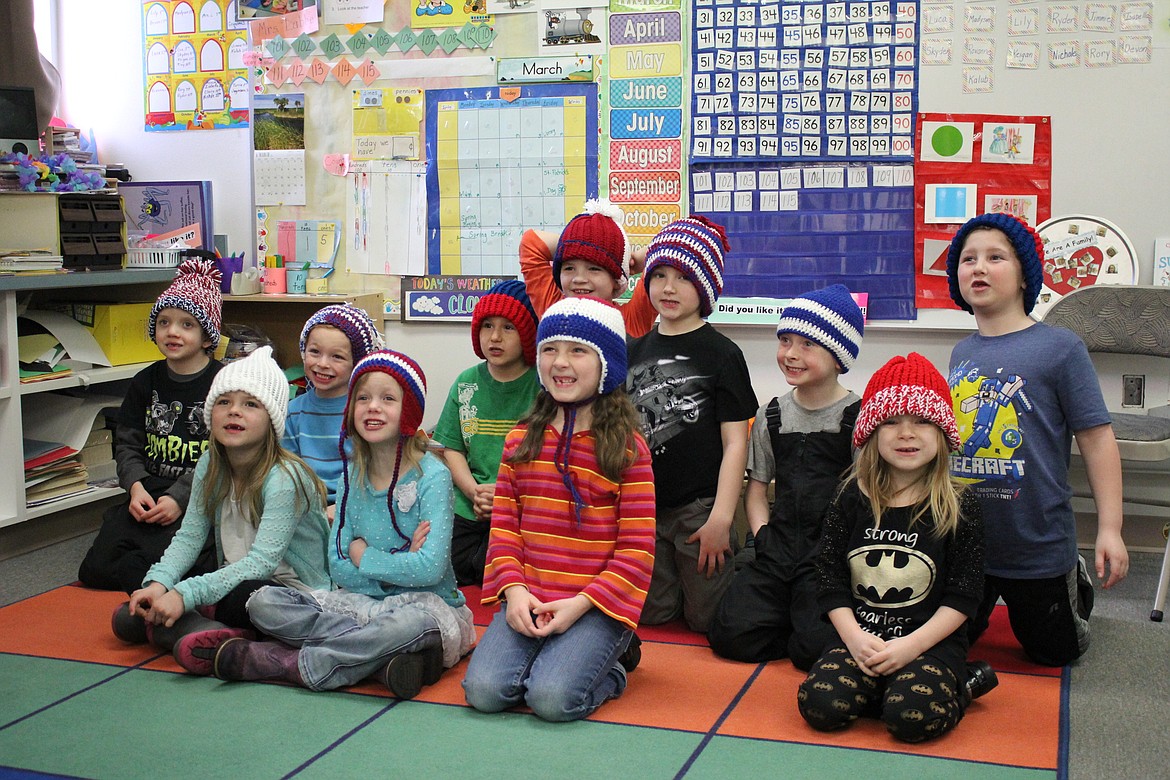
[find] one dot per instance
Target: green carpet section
(115, 730)
(726, 757)
(27, 684)
(422, 741)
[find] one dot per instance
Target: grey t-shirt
(794, 418)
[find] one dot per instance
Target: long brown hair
(939, 491)
(217, 483)
(614, 425)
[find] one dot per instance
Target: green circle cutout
(946, 141)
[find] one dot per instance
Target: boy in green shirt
(484, 403)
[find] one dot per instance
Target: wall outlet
(1133, 390)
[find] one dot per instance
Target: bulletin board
(793, 124)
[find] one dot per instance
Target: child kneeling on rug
(901, 567)
(399, 612)
(571, 547)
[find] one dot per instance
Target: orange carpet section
(680, 684)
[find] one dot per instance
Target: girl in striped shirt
(571, 547)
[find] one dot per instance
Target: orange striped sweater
(536, 542)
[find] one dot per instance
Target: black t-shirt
(684, 387)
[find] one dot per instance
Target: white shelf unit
(14, 290)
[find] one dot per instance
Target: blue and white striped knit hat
(694, 246)
(594, 323)
(830, 317)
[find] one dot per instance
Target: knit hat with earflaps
(594, 323)
(1029, 249)
(596, 236)
(830, 317)
(259, 376)
(410, 377)
(507, 299)
(908, 385)
(695, 246)
(196, 290)
(351, 320)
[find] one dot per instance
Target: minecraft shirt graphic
(989, 410)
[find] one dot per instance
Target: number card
(835, 61)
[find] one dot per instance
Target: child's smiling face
(328, 359)
(579, 277)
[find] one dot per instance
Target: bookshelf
(15, 397)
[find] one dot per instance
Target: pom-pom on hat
(594, 323)
(257, 375)
(830, 317)
(507, 299)
(907, 385)
(1029, 249)
(196, 290)
(407, 374)
(596, 236)
(695, 246)
(351, 320)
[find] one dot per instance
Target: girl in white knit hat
(266, 507)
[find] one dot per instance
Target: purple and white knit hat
(351, 320)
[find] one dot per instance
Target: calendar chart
(503, 160)
(804, 80)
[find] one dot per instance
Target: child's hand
(167, 608)
(141, 502)
(357, 548)
(420, 535)
(166, 511)
(863, 646)
(637, 260)
(482, 503)
(520, 606)
(330, 513)
(1111, 550)
(143, 599)
(897, 653)
(556, 617)
(714, 545)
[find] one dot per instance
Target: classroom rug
(77, 702)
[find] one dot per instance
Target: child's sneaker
(196, 652)
(632, 655)
(981, 679)
(405, 674)
(1084, 589)
(131, 629)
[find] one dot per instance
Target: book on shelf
(96, 453)
(59, 494)
(29, 260)
(42, 453)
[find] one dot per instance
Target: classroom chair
(1127, 320)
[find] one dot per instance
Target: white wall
(100, 59)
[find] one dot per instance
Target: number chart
(811, 81)
(504, 160)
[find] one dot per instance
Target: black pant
(1043, 615)
(125, 549)
(469, 541)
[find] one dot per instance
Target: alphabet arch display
(1080, 251)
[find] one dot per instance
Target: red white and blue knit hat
(908, 385)
(351, 320)
(413, 382)
(507, 299)
(596, 236)
(1029, 249)
(830, 317)
(196, 290)
(594, 323)
(695, 246)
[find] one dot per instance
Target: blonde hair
(217, 483)
(937, 491)
(614, 425)
(413, 449)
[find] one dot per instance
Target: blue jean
(337, 650)
(561, 677)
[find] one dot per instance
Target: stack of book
(52, 472)
(66, 140)
(26, 260)
(98, 453)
